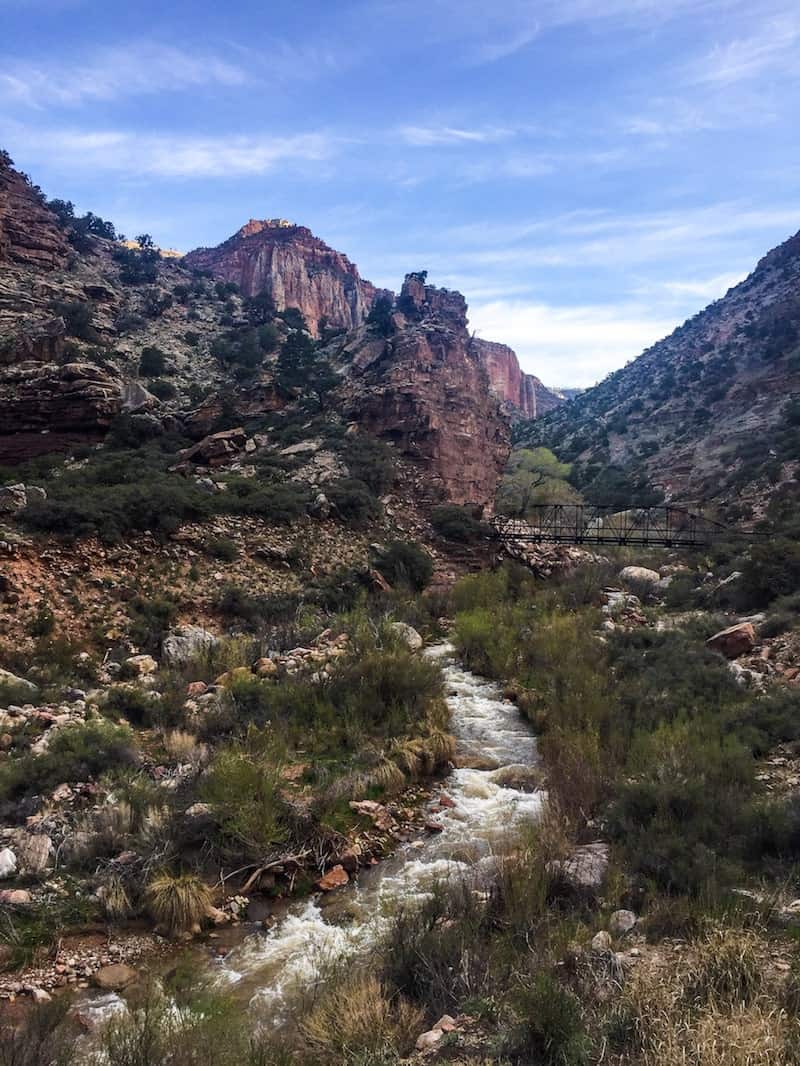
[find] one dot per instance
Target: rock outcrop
(29, 233)
(425, 390)
(296, 268)
(44, 406)
(523, 394)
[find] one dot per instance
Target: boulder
(39, 995)
(97, 1012)
(334, 878)
(601, 941)
(33, 852)
(8, 863)
(639, 575)
(141, 665)
(12, 499)
(265, 667)
(621, 922)
(27, 687)
(426, 1041)
(735, 641)
(584, 871)
(407, 634)
(187, 642)
(114, 978)
(15, 897)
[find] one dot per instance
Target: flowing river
(268, 969)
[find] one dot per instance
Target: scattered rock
(7, 678)
(12, 499)
(640, 575)
(601, 941)
(585, 870)
(33, 852)
(141, 665)
(8, 863)
(95, 1013)
(15, 897)
(735, 641)
(426, 1041)
(621, 922)
(186, 642)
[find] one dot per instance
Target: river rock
(114, 978)
(621, 922)
(334, 878)
(187, 642)
(735, 641)
(97, 1012)
(8, 863)
(407, 634)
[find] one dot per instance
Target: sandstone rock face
(296, 268)
(29, 233)
(42, 406)
(524, 394)
(425, 391)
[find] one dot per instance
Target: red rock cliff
(425, 390)
(296, 268)
(29, 233)
(524, 394)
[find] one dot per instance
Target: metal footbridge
(570, 523)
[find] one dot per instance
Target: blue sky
(587, 172)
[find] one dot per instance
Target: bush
(152, 363)
(405, 563)
(150, 619)
(132, 703)
(353, 501)
(550, 1030)
(177, 902)
(163, 390)
(77, 316)
(771, 570)
(458, 523)
(76, 753)
(243, 789)
(222, 548)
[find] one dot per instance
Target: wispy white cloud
(770, 48)
(145, 67)
(436, 136)
(172, 156)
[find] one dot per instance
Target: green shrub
(405, 563)
(458, 523)
(76, 753)
(163, 390)
(126, 701)
(353, 501)
(370, 461)
(771, 570)
(243, 789)
(221, 548)
(550, 1030)
(151, 617)
(152, 363)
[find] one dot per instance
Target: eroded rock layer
(524, 394)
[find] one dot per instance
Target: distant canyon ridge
(299, 270)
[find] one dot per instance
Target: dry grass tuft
(724, 970)
(177, 902)
(357, 1016)
(185, 748)
(115, 900)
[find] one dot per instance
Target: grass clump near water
(177, 902)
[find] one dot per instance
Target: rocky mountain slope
(295, 268)
(711, 413)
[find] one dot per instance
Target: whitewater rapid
(269, 968)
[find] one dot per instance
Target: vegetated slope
(711, 412)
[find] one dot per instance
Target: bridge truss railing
(662, 526)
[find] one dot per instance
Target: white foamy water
(270, 967)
